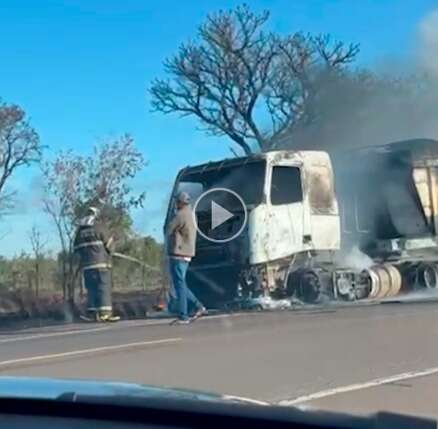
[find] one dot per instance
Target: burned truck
(359, 224)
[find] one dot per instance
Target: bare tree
(38, 244)
(19, 146)
(243, 82)
(73, 181)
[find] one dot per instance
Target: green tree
(144, 264)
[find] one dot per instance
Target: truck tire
(396, 279)
(374, 282)
(310, 287)
(428, 275)
(385, 281)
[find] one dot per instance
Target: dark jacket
(94, 247)
(181, 234)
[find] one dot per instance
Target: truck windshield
(247, 180)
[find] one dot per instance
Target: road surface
(359, 359)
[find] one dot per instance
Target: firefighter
(94, 247)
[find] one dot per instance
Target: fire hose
(137, 261)
(161, 300)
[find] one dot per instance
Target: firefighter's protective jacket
(93, 245)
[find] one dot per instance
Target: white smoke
(428, 43)
(354, 259)
(371, 107)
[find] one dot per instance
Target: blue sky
(81, 68)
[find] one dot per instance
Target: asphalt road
(359, 359)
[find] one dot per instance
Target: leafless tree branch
(19, 147)
(235, 75)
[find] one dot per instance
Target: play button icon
(220, 215)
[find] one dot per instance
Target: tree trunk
(14, 280)
(64, 279)
(242, 143)
(143, 277)
(37, 279)
(29, 280)
(71, 280)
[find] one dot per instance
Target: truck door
(285, 212)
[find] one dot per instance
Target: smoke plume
(428, 43)
(359, 108)
(354, 259)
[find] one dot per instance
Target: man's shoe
(182, 322)
(109, 318)
(199, 313)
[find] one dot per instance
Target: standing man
(94, 247)
(181, 242)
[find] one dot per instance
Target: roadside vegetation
(45, 281)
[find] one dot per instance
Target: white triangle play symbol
(219, 215)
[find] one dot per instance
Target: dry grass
(24, 305)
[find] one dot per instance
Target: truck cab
(291, 210)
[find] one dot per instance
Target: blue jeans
(178, 271)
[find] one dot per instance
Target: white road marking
(359, 386)
(165, 321)
(124, 324)
(51, 334)
(88, 351)
(244, 399)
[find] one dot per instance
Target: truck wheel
(310, 287)
(396, 279)
(374, 282)
(385, 281)
(428, 276)
(292, 283)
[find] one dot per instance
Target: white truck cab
(291, 210)
(299, 212)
